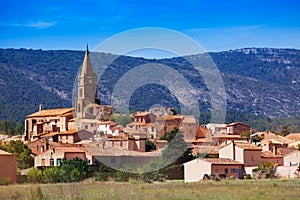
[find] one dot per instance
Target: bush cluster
(70, 171)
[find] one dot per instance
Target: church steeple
(86, 69)
(87, 88)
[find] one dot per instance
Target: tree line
(9, 127)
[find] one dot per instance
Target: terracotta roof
(50, 112)
(35, 152)
(235, 123)
(50, 134)
(278, 138)
(293, 136)
(269, 154)
(169, 117)
(247, 146)
(106, 122)
(4, 152)
(225, 136)
(141, 114)
(221, 161)
(69, 149)
(69, 132)
(201, 132)
(149, 124)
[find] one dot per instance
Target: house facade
(248, 154)
(197, 169)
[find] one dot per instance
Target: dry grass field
(89, 189)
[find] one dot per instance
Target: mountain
(258, 81)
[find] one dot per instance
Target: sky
(215, 25)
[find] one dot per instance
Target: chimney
(41, 107)
(233, 150)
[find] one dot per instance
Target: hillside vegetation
(261, 83)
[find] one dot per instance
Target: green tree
(51, 175)
(22, 151)
(19, 130)
(150, 146)
(74, 170)
(169, 136)
(7, 127)
(34, 175)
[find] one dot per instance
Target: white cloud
(37, 25)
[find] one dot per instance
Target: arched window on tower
(80, 92)
(78, 107)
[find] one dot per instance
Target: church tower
(87, 89)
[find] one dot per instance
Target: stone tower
(87, 89)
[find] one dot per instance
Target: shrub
(248, 176)
(5, 181)
(101, 176)
(34, 176)
(51, 175)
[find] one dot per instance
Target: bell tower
(87, 88)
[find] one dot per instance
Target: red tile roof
(201, 132)
(51, 112)
(221, 161)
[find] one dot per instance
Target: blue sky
(216, 25)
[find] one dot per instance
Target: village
(88, 132)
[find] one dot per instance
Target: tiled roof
(293, 136)
(280, 139)
(221, 161)
(70, 149)
(247, 146)
(225, 136)
(269, 154)
(50, 112)
(149, 124)
(107, 122)
(169, 117)
(201, 132)
(69, 132)
(235, 123)
(141, 114)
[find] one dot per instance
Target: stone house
(54, 156)
(197, 169)
(248, 154)
(237, 128)
(46, 121)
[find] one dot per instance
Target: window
(60, 137)
(152, 129)
(51, 162)
(78, 107)
(86, 126)
(67, 137)
(113, 160)
(233, 170)
(165, 128)
(43, 162)
(55, 121)
(92, 125)
(80, 92)
(58, 161)
(226, 170)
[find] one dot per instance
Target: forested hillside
(260, 82)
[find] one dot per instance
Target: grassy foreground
(226, 189)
